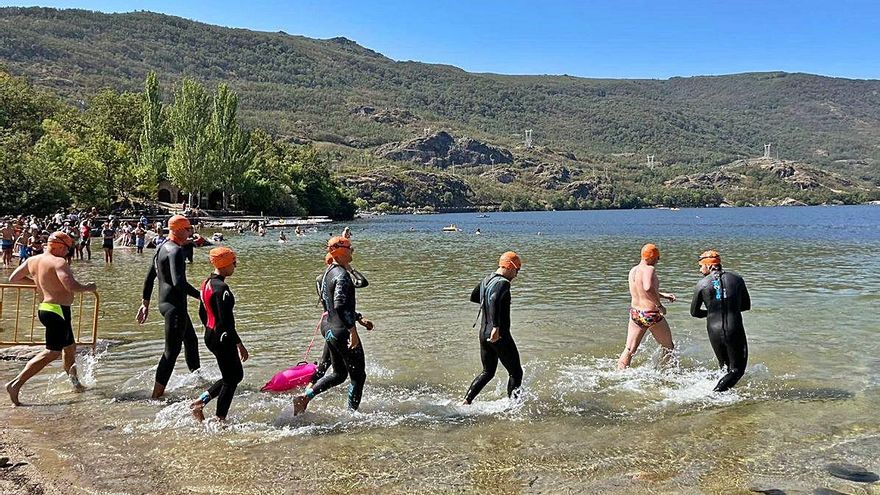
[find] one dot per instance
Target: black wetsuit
(215, 311)
(493, 295)
(359, 283)
(337, 291)
(725, 296)
(169, 267)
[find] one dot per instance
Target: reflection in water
(809, 396)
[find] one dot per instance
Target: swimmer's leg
(338, 373)
(68, 356)
(508, 354)
(173, 343)
(737, 359)
(634, 336)
(663, 335)
(32, 367)
(489, 358)
(191, 344)
(356, 364)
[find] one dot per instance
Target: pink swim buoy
(295, 376)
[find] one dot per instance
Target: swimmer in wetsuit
(343, 342)
(360, 281)
(646, 312)
(725, 296)
(51, 274)
(215, 311)
(168, 266)
(496, 341)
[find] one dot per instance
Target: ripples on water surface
(809, 396)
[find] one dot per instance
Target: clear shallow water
(809, 397)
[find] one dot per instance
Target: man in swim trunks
(7, 240)
(54, 279)
(215, 311)
(725, 296)
(496, 341)
(140, 234)
(24, 250)
(343, 342)
(169, 267)
(646, 312)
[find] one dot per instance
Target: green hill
(318, 90)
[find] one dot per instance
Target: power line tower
(651, 162)
(528, 141)
(767, 150)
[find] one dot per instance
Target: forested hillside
(356, 100)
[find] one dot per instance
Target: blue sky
(632, 39)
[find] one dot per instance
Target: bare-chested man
(54, 280)
(646, 311)
(7, 239)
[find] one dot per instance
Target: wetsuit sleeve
(475, 294)
(360, 281)
(343, 300)
(745, 300)
(697, 310)
(495, 303)
(151, 279)
(178, 274)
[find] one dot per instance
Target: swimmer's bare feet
(466, 402)
(77, 386)
(12, 390)
(299, 404)
(197, 409)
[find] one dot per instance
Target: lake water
(810, 395)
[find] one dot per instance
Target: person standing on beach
(725, 296)
(169, 267)
(221, 338)
(108, 233)
(85, 232)
(646, 312)
(7, 240)
(343, 342)
(51, 274)
(496, 341)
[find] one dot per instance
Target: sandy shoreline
(21, 473)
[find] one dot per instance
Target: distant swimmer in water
(216, 312)
(346, 232)
(725, 296)
(51, 274)
(282, 237)
(169, 268)
(646, 312)
(477, 232)
(343, 341)
(496, 341)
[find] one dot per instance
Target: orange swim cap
(710, 257)
(510, 260)
(221, 257)
(178, 222)
(650, 252)
(338, 246)
(61, 238)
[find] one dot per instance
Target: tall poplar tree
(230, 154)
(188, 121)
(153, 140)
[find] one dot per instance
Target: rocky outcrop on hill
(552, 176)
(503, 175)
(395, 116)
(411, 188)
(592, 189)
(711, 180)
(442, 150)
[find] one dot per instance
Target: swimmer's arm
(495, 301)
(745, 300)
(697, 302)
(475, 294)
(22, 274)
(178, 274)
(341, 302)
(360, 281)
(65, 276)
(648, 280)
(149, 281)
(227, 319)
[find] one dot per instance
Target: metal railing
(22, 335)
